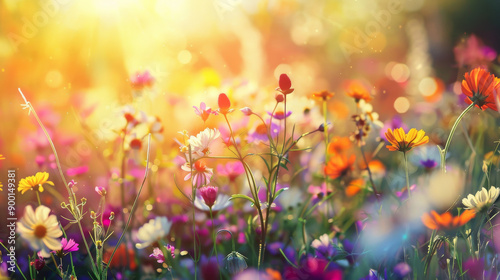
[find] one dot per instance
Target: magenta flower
(158, 254)
(141, 80)
(204, 112)
(473, 53)
(79, 170)
(68, 246)
(101, 191)
(231, 169)
(209, 195)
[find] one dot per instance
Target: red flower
(479, 86)
(224, 104)
(285, 85)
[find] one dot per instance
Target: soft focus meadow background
(75, 62)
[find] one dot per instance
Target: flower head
(153, 231)
(285, 84)
(100, 190)
(231, 169)
(200, 172)
(359, 92)
(235, 262)
(446, 221)
(224, 104)
(222, 202)
(158, 254)
(68, 246)
(209, 195)
(472, 52)
(280, 115)
(339, 165)
(324, 246)
(40, 229)
(200, 145)
(323, 95)
(479, 86)
(247, 111)
(204, 112)
(141, 80)
(30, 182)
(482, 200)
(405, 142)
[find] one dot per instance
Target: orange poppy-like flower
(446, 221)
(354, 187)
(357, 91)
(339, 165)
(323, 95)
(479, 86)
(404, 142)
(339, 144)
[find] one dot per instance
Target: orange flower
(404, 142)
(324, 95)
(357, 91)
(339, 144)
(339, 165)
(354, 187)
(479, 86)
(446, 221)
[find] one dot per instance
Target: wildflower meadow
(234, 139)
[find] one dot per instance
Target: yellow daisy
(30, 182)
(404, 142)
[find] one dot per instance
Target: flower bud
(101, 191)
(280, 97)
(209, 195)
(235, 262)
(111, 216)
(246, 111)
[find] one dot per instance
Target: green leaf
(280, 191)
(242, 196)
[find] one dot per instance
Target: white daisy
(200, 145)
(40, 229)
(482, 200)
(153, 231)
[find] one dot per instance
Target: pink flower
(204, 112)
(473, 53)
(246, 111)
(280, 115)
(101, 191)
(231, 169)
(141, 80)
(201, 173)
(209, 195)
(318, 191)
(75, 171)
(158, 254)
(68, 246)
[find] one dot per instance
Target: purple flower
(280, 115)
(324, 247)
(395, 122)
(259, 133)
(402, 269)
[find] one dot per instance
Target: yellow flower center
(40, 231)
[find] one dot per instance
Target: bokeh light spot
(428, 86)
(184, 56)
(400, 73)
(401, 104)
(53, 79)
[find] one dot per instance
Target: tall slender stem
(407, 177)
(452, 132)
(214, 236)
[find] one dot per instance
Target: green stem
(38, 198)
(447, 146)
(407, 177)
(214, 236)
